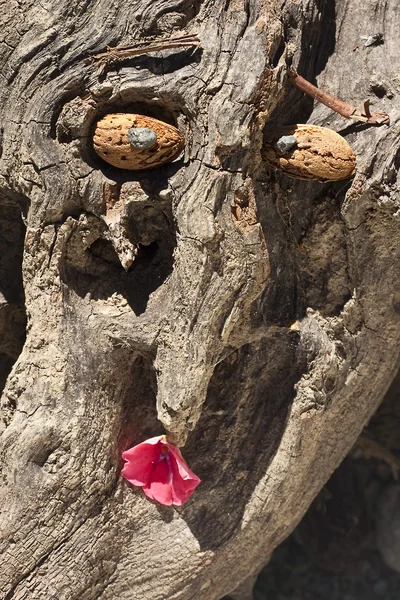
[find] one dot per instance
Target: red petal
(183, 469)
(159, 486)
(140, 461)
(182, 488)
(160, 469)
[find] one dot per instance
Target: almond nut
(113, 144)
(319, 153)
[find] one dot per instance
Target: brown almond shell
(321, 154)
(110, 142)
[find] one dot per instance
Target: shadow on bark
(239, 432)
(12, 299)
(318, 40)
(149, 270)
(306, 241)
(139, 417)
(97, 270)
(163, 65)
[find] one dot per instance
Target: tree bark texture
(258, 324)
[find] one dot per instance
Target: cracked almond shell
(320, 154)
(110, 142)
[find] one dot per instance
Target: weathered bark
(259, 323)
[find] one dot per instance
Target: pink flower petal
(181, 489)
(140, 461)
(159, 468)
(182, 466)
(159, 487)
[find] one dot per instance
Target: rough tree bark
(258, 324)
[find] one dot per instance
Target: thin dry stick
(119, 53)
(343, 108)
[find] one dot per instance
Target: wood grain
(262, 344)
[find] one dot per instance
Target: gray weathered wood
(258, 324)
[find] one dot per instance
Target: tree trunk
(258, 324)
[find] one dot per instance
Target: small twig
(119, 53)
(343, 108)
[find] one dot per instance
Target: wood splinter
(119, 53)
(343, 108)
